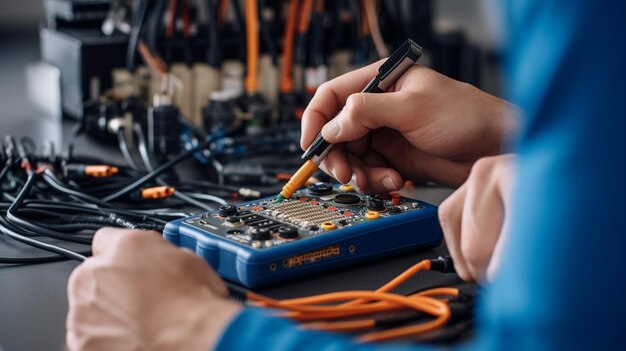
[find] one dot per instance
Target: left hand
(474, 218)
(138, 292)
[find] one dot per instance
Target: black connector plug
(442, 264)
(236, 293)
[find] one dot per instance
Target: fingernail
(332, 128)
(388, 184)
(353, 182)
(332, 172)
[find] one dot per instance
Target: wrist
(216, 320)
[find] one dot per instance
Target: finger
(364, 112)
(110, 240)
(200, 269)
(450, 217)
(380, 180)
(505, 187)
(107, 239)
(483, 215)
(330, 98)
(337, 166)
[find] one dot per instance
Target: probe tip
(279, 198)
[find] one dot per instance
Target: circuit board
(318, 228)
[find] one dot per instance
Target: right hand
(427, 127)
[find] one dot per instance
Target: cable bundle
(337, 311)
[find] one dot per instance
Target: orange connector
(100, 171)
(157, 192)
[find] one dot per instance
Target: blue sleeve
(561, 285)
(255, 329)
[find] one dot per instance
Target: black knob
(287, 232)
(227, 210)
(321, 188)
(233, 219)
(375, 204)
(259, 233)
(347, 199)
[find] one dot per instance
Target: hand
(474, 220)
(428, 127)
(140, 293)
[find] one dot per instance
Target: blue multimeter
(317, 229)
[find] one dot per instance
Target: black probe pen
(399, 62)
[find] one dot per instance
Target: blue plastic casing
(254, 267)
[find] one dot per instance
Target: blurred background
(22, 23)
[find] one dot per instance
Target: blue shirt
(561, 285)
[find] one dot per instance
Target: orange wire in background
(252, 44)
(171, 19)
(305, 16)
(154, 62)
(222, 13)
(286, 65)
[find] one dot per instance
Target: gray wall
(21, 13)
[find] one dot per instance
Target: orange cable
(286, 65)
(171, 19)
(305, 16)
(155, 63)
(321, 307)
(222, 13)
(252, 41)
(401, 332)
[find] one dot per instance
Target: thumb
(367, 111)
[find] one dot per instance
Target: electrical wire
(302, 31)
(371, 16)
(431, 302)
(123, 145)
(266, 33)
(145, 156)
(157, 171)
(252, 47)
(286, 67)
(138, 18)
(214, 55)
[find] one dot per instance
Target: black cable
(139, 14)
(12, 215)
(242, 31)
(51, 179)
(40, 244)
(266, 33)
(158, 171)
(154, 26)
(145, 156)
(33, 260)
(214, 54)
(123, 144)
(316, 49)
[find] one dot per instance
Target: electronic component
(262, 242)
(163, 128)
